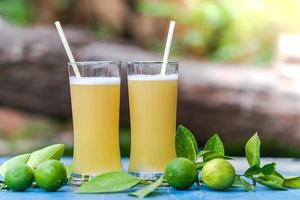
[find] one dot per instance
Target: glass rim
(150, 62)
(94, 62)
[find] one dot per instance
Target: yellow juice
(153, 102)
(95, 107)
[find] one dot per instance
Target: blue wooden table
(289, 167)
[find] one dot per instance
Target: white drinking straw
(67, 48)
(167, 48)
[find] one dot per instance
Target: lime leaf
(278, 174)
(188, 134)
(274, 178)
(69, 170)
(215, 144)
(109, 182)
(54, 151)
(266, 169)
(186, 145)
(185, 149)
(148, 189)
(209, 155)
(214, 155)
(203, 152)
(252, 150)
(3, 185)
(237, 182)
(240, 182)
(269, 182)
(292, 182)
(200, 165)
(247, 186)
(269, 169)
(20, 159)
(255, 169)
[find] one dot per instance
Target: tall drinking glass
(95, 98)
(153, 103)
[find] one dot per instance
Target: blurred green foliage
(17, 11)
(101, 30)
(227, 30)
(219, 30)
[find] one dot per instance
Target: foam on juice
(142, 77)
(94, 80)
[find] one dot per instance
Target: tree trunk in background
(235, 101)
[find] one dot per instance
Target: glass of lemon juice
(95, 99)
(153, 104)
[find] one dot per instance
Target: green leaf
(69, 170)
(255, 169)
(20, 159)
(240, 182)
(278, 174)
(209, 155)
(269, 169)
(3, 186)
(274, 178)
(215, 144)
(54, 151)
(109, 182)
(214, 155)
(252, 150)
(292, 182)
(148, 189)
(266, 170)
(247, 186)
(203, 152)
(237, 182)
(200, 165)
(186, 145)
(269, 182)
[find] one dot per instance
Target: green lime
(19, 177)
(50, 175)
(218, 174)
(181, 173)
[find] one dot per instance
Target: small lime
(19, 177)
(181, 173)
(218, 174)
(50, 175)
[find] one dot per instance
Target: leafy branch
(266, 175)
